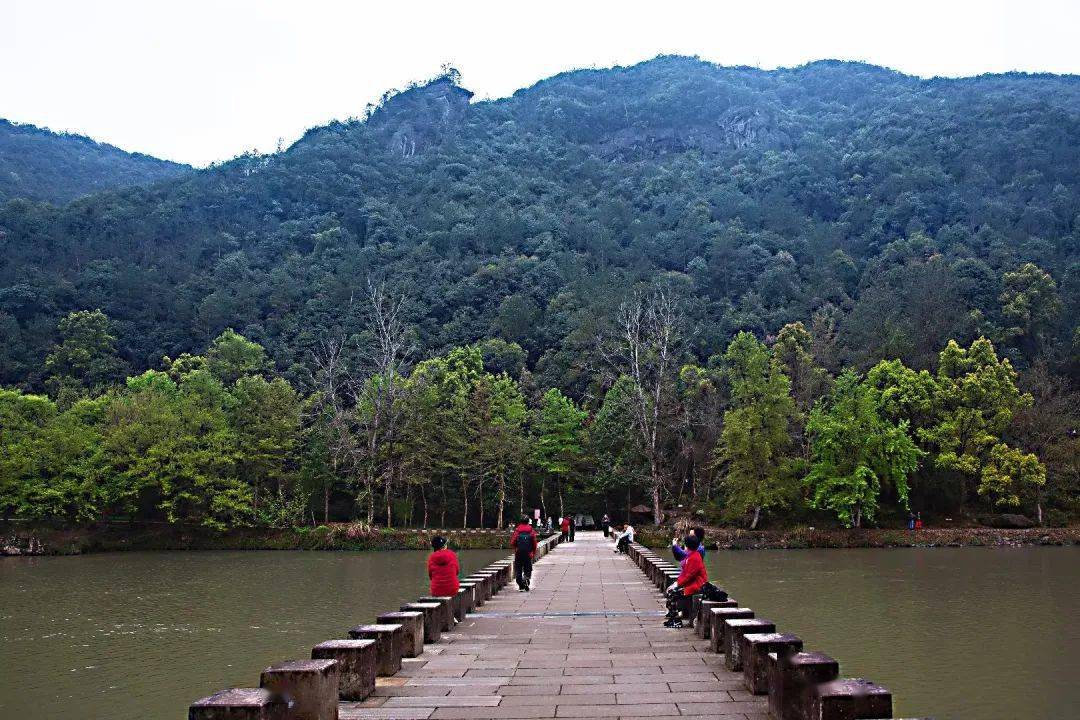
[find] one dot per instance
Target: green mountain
(38, 164)
(880, 209)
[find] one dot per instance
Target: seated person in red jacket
(443, 569)
(690, 581)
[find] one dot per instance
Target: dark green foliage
(840, 213)
(36, 164)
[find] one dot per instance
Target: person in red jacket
(690, 581)
(564, 527)
(442, 569)
(524, 543)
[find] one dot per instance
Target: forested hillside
(38, 164)
(669, 283)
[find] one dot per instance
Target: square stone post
(793, 677)
(240, 704)
(446, 609)
(389, 640)
(850, 699)
(310, 687)
(755, 648)
(356, 661)
(734, 629)
(432, 620)
(717, 616)
(413, 623)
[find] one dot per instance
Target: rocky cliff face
(419, 117)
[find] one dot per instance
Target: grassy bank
(802, 538)
(24, 539)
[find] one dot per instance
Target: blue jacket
(680, 554)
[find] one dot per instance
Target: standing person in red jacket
(564, 527)
(690, 581)
(524, 543)
(443, 569)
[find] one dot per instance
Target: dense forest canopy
(38, 164)
(796, 290)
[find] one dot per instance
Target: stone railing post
(240, 704)
(389, 640)
(356, 661)
(309, 686)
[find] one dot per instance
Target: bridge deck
(586, 642)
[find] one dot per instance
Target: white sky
(199, 81)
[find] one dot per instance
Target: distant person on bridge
(524, 543)
(573, 528)
(443, 569)
(564, 529)
(606, 523)
(690, 581)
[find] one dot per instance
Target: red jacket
(693, 576)
(442, 568)
(565, 525)
(528, 530)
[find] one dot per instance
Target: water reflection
(981, 633)
(137, 635)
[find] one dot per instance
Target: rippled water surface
(131, 636)
(955, 633)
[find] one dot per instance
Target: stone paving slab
(585, 642)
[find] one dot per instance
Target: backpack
(524, 542)
(712, 593)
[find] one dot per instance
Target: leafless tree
(643, 348)
(378, 397)
(329, 412)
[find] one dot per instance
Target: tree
(854, 451)
(231, 356)
(266, 419)
(85, 360)
(757, 431)
(505, 442)
(558, 440)
(975, 399)
(1010, 475)
(1030, 301)
(645, 350)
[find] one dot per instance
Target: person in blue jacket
(680, 552)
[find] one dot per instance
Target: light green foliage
(974, 401)
(756, 437)
(1009, 475)
(85, 359)
(855, 451)
(1030, 301)
(558, 436)
(231, 356)
(793, 351)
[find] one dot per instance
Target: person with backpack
(443, 569)
(523, 541)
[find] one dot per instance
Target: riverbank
(805, 538)
(25, 539)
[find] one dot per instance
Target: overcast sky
(200, 81)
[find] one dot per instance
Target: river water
(956, 633)
(979, 633)
(134, 635)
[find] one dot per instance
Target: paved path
(586, 642)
